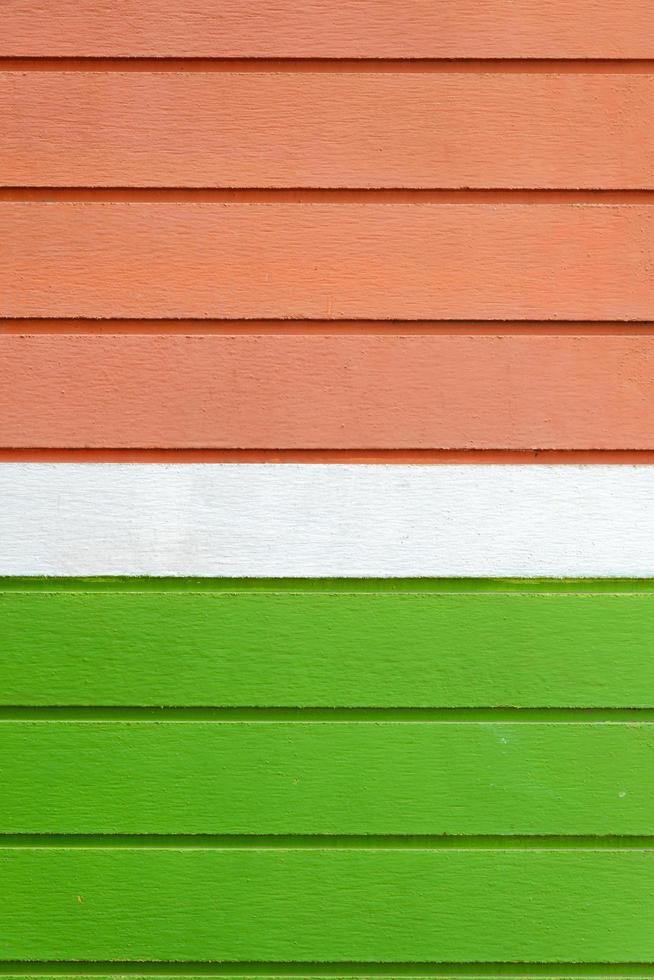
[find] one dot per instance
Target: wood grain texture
(321, 520)
(183, 129)
(328, 261)
(406, 906)
(319, 29)
(308, 392)
(176, 777)
(327, 648)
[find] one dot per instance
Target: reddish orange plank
(327, 130)
(385, 261)
(327, 392)
(328, 29)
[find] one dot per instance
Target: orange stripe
(351, 28)
(329, 261)
(327, 131)
(351, 392)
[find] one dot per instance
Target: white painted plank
(326, 520)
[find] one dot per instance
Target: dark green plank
(326, 778)
(321, 648)
(309, 905)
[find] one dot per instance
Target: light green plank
(326, 778)
(279, 905)
(249, 647)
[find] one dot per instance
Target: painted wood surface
(347, 392)
(407, 905)
(322, 520)
(328, 261)
(320, 28)
(328, 647)
(223, 129)
(299, 777)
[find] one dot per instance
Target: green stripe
(326, 649)
(293, 905)
(317, 778)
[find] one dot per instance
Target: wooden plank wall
(316, 290)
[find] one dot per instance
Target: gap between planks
(325, 195)
(633, 457)
(311, 842)
(492, 715)
(252, 970)
(275, 327)
(421, 586)
(333, 65)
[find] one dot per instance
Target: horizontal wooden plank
(320, 520)
(303, 777)
(350, 392)
(223, 129)
(329, 261)
(381, 905)
(327, 648)
(320, 29)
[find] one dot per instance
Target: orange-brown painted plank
(327, 130)
(328, 29)
(386, 261)
(327, 392)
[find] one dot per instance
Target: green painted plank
(326, 778)
(310, 905)
(327, 648)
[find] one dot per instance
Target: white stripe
(326, 520)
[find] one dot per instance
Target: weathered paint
(321, 520)
(383, 261)
(322, 28)
(222, 129)
(351, 646)
(304, 392)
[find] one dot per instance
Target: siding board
(223, 129)
(329, 648)
(569, 262)
(320, 520)
(64, 777)
(381, 905)
(307, 392)
(323, 29)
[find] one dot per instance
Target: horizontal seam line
(329, 715)
(276, 63)
(395, 842)
(184, 455)
(402, 586)
(327, 969)
(354, 195)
